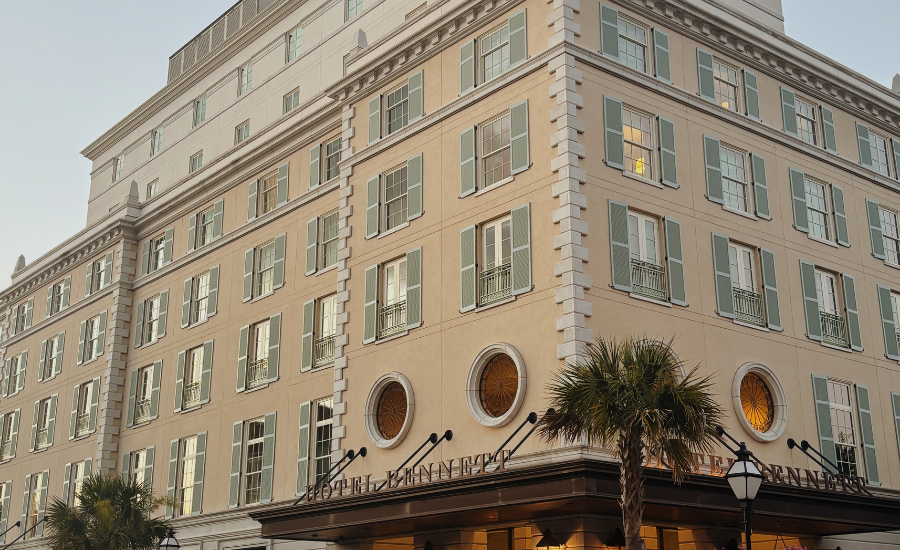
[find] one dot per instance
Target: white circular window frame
(473, 383)
(372, 410)
(779, 423)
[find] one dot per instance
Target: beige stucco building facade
(356, 223)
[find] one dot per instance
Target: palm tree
(113, 513)
(630, 396)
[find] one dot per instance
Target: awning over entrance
(578, 487)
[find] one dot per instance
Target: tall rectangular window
(245, 79)
(42, 438)
(157, 252)
(83, 409)
(329, 239)
(138, 463)
(292, 100)
(184, 490)
(292, 42)
(152, 189)
(395, 198)
(78, 474)
(833, 324)
(397, 103)
(322, 451)
(117, 167)
(806, 120)
(142, 395)
(265, 268)
(6, 448)
(196, 161)
(841, 406)
(193, 367)
(199, 298)
(242, 132)
(332, 158)
(495, 150)
(393, 296)
(267, 193)
(92, 339)
(890, 235)
(56, 298)
(817, 209)
(494, 279)
(199, 110)
(879, 148)
(638, 142)
(98, 268)
(354, 8)
(632, 44)
(32, 505)
(494, 53)
(325, 329)
(253, 458)
(205, 226)
(156, 141)
(258, 362)
(17, 323)
(151, 323)
(727, 85)
(734, 179)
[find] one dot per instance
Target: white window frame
(811, 211)
(828, 292)
(185, 476)
(400, 104)
(497, 226)
(352, 8)
(643, 247)
(624, 38)
(117, 167)
(720, 81)
(151, 321)
(890, 234)
(92, 339)
(157, 253)
(264, 275)
(137, 465)
(43, 423)
(852, 413)
(332, 154)
(242, 132)
(257, 442)
(78, 475)
(199, 111)
(32, 515)
(882, 166)
(485, 50)
(83, 407)
(204, 227)
(245, 79)
(193, 373)
(143, 393)
(740, 183)
(291, 101)
(323, 432)
(257, 351)
(329, 242)
(402, 198)
(742, 260)
(505, 148)
(649, 149)
(267, 196)
(199, 298)
(152, 189)
(6, 435)
(56, 294)
(97, 269)
(814, 109)
(156, 137)
(293, 43)
(196, 162)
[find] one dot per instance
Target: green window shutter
(132, 399)
(868, 435)
(212, 300)
(370, 308)
(705, 75)
(309, 323)
(73, 419)
(303, 448)
(895, 147)
(751, 93)
(154, 389)
(852, 310)
(139, 325)
(274, 347)
(788, 111)
(889, 329)
(57, 363)
(675, 262)
(145, 259)
(8, 382)
(840, 216)
(668, 170)
(218, 213)
(95, 400)
(206, 372)
(66, 289)
(711, 155)
(798, 196)
(467, 270)
(29, 309)
(518, 138)
(101, 338)
(42, 502)
(24, 506)
(67, 474)
(609, 31)
(467, 67)
(4, 515)
(51, 424)
(268, 459)
(314, 170)
(88, 280)
(235, 481)
(192, 233)
(875, 234)
(374, 119)
(862, 139)
(620, 254)
(43, 363)
(660, 55)
(828, 129)
(23, 363)
(251, 200)
(823, 419)
(372, 192)
(414, 288)
(107, 269)
(80, 358)
(49, 309)
(414, 171)
(281, 190)
(467, 164)
(186, 294)
(415, 99)
(167, 245)
(760, 186)
(14, 437)
(243, 344)
(148, 469)
(173, 470)
(312, 235)
(199, 470)
(248, 274)
(34, 426)
(179, 381)
(722, 267)
(770, 288)
(163, 313)
(518, 39)
(895, 402)
(278, 268)
(614, 137)
(126, 467)
(810, 301)
(520, 268)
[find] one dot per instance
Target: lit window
(395, 198)
(734, 179)
(726, 79)
(332, 158)
(78, 474)
(142, 395)
(253, 458)
(806, 120)
(325, 330)
(632, 44)
(32, 505)
(329, 239)
(258, 361)
(393, 313)
(199, 298)
(151, 323)
(242, 132)
(322, 454)
(245, 79)
(156, 141)
(495, 150)
(199, 110)
(293, 41)
(495, 53)
(891, 236)
(495, 281)
(267, 193)
(196, 162)
(354, 8)
(184, 491)
(292, 100)
(193, 367)
(638, 143)
(842, 426)
(817, 209)
(152, 189)
(397, 109)
(265, 268)
(878, 145)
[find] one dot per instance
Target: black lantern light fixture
(744, 478)
(170, 542)
(548, 540)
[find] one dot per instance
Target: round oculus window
(499, 385)
(757, 403)
(391, 410)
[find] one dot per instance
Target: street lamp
(548, 541)
(170, 542)
(744, 478)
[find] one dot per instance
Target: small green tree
(112, 514)
(630, 397)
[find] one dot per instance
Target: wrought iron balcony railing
(82, 424)
(191, 395)
(748, 306)
(42, 439)
(324, 350)
(142, 411)
(6, 451)
(257, 372)
(648, 279)
(495, 284)
(393, 319)
(834, 329)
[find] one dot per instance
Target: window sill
(651, 300)
(256, 388)
(831, 346)
(635, 177)
(198, 323)
(41, 449)
(403, 225)
(191, 409)
(740, 213)
(892, 265)
(750, 325)
(495, 304)
(145, 345)
(391, 337)
(83, 363)
(82, 436)
(493, 186)
(326, 270)
(258, 298)
(823, 241)
(327, 365)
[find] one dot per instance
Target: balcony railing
(648, 279)
(257, 373)
(82, 423)
(191, 395)
(393, 319)
(834, 331)
(142, 411)
(495, 284)
(42, 438)
(6, 451)
(748, 306)
(324, 350)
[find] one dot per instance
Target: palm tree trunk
(631, 454)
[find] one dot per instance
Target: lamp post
(744, 478)
(170, 542)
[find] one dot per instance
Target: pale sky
(71, 70)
